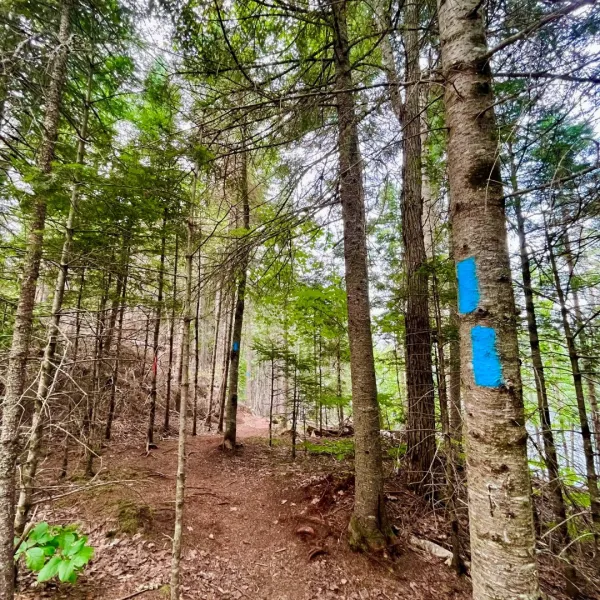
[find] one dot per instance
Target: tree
(500, 510)
(15, 376)
(368, 526)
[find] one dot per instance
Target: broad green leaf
(83, 556)
(50, 569)
(66, 569)
(35, 558)
(76, 546)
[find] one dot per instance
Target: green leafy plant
(340, 449)
(52, 551)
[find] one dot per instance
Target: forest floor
(257, 526)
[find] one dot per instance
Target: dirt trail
(242, 518)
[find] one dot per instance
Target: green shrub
(397, 452)
(52, 551)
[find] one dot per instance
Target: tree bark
(115, 372)
(197, 346)
(225, 377)
(368, 528)
(17, 363)
(420, 434)
(171, 339)
(229, 440)
(503, 564)
(47, 367)
(156, 334)
(213, 367)
(185, 386)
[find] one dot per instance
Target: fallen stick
(148, 588)
(435, 550)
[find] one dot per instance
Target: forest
(300, 299)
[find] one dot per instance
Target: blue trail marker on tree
(487, 369)
(468, 285)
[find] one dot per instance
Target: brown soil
(257, 526)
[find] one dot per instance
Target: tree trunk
(171, 336)
(47, 367)
(115, 372)
(213, 367)
(225, 377)
(271, 399)
(78, 316)
(295, 410)
(588, 449)
(17, 364)
(450, 463)
(561, 535)
(420, 429)
(368, 527)
(92, 397)
(229, 440)
(503, 564)
(588, 369)
(197, 347)
(185, 386)
(156, 335)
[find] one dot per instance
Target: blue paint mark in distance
(487, 369)
(468, 285)
(235, 346)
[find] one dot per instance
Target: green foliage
(55, 551)
(341, 449)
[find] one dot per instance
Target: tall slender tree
(503, 563)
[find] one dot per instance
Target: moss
(133, 517)
(362, 538)
(165, 591)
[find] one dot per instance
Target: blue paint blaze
(236, 346)
(468, 285)
(487, 369)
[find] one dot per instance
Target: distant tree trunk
(65, 461)
(588, 449)
(420, 429)
(295, 410)
(503, 565)
(588, 369)
(561, 535)
(454, 360)
(286, 369)
(229, 440)
(156, 335)
(271, 399)
(78, 315)
(171, 339)
(338, 363)
(16, 372)
(47, 368)
(225, 378)
(456, 422)
(146, 345)
(450, 463)
(89, 425)
(115, 372)
(185, 386)
(116, 301)
(197, 348)
(213, 367)
(368, 526)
